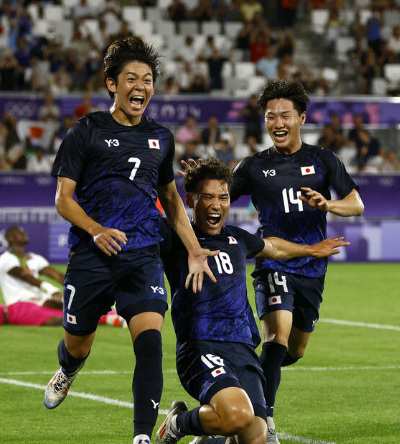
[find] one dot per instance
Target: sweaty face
(132, 93)
(210, 205)
(283, 123)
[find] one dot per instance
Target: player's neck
(287, 150)
(18, 251)
(119, 116)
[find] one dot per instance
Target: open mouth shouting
(280, 136)
(137, 101)
(213, 219)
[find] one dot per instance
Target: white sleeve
(40, 261)
(8, 261)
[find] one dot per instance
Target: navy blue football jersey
(221, 311)
(274, 182)
(117, 169)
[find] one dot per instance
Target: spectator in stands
(199, 84)
(251, 113)
(243, 39)
(268, 65)
(60, 82)
(211, 133)
(394, 44)
(23, 55)
(374, 35)
(190, 151)
(12, 152)
(40, 162)
(333, 27)
(260, 41)
(171, 86)
(11, 72)
(329, 140)
(356, 28)
(208, 48)
(389, 161)
(215, 66)
(285, 45)
(188, 54)
(225, 149)
(249, 8)
(177, 11)
(189, 131)
(203, 11)
(49, 111)
(85, 107)
(369, 70)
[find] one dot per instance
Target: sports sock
(289, 360)
(147, 381)
(271, 359)
(217, 440)
(188, 423)
(69, 363)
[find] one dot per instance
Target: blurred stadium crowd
(221, 48)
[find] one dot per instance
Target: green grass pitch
(346, 390)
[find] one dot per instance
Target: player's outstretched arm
(105, 238)
(351, 205)
(278, 249)
(192, 164)
(176, 214)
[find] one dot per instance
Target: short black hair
(209, 169)
(282, 89)
(11, 230)
(126, 50)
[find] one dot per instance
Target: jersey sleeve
(8, 262)
(41, 261)
(72, 153)
(166, 171)
(240, 185)
(338, 177)
(253, 243)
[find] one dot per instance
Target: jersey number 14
(289, 197)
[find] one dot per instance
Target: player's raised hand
(328, 247)
(315, 199)
(192, 164)
(107, 240)
(198, 265)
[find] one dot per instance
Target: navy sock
(289, 360)
(68, 362)
(188, 423)
(147, 381)
(271, 359)
(217, 440)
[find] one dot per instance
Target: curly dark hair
(209, 169)
(126, 50)
(282, 89)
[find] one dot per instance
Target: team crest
(154, 144)
(232, 240)
(305, 171)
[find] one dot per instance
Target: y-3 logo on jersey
(113, 142)
(269, 173)
(157, 289)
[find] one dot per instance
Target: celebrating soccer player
(117, 162)
(289, 186)
(215, 329)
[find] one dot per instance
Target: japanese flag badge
(305, 171)
(154, 144)
(232, 240)
(71, 319)
(274, 300)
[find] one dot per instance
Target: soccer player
(289, 186)
(117, 162)
(215, 329)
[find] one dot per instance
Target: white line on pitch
(102, 399)
(360, 324)
(118, 403)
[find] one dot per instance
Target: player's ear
(111, 85)
(189, 200)
(303, 117)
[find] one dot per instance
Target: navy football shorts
(207, 367)
(133, 280)
(278, 290)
